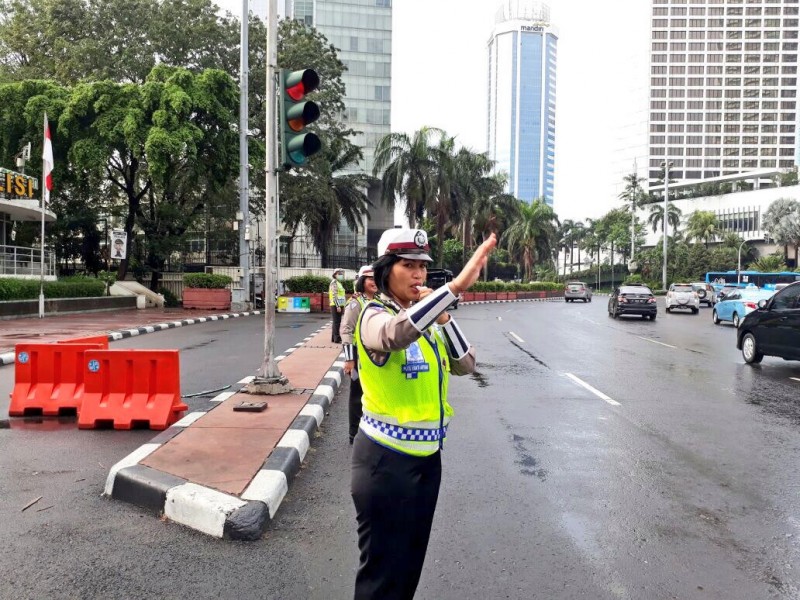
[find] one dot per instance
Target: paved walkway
(50, 329)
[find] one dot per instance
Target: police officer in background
(365, 291)
(337, 299)
(407, 346)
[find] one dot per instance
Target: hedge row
(70, 287)
(315, 284)
(206, 280)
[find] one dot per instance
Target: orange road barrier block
(130, 388)
(48, 378)
(100, 340)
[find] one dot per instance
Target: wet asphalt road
(674, 478)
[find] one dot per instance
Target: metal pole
(739, 264)
(244, 181)
(633, 211)
(666, 227)
(41, 266)
(269, 379)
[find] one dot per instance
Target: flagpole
(41, 265)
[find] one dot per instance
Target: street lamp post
(666, 166)
(739, 263)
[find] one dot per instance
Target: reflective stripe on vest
(408, 390)
(417, 442)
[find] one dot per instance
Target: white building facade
(723, 87)
(521, 119)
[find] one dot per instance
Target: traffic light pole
(269, 379)
(244, 160)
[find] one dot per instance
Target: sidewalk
(224, 472)
(117, 325)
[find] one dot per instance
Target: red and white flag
(47, 162)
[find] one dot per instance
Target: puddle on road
(528, 463)
(480, 378)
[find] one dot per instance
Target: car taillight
(651, 299)
(750, 305)
(621, 299)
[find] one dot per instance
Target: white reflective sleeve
(423, 314)
(349, 351)
(457, 344)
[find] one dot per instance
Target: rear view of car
(577, 290)
(682, 295)
(632, 300)
(436, 278)
(705, 292)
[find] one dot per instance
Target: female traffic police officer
(365, 291)
(407, 346)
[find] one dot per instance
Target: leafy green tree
(702, 226)
(73, 40)
(532, 236)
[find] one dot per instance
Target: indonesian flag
(47, 162)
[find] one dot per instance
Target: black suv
(437, 278)
(632, 300)
(773, 329)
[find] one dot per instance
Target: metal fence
(19, 261)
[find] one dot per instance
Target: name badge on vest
(415, 362)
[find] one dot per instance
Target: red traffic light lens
(296, 92)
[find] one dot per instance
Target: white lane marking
(516, 337)
(595, 391)
(795, 378)
(655, 342)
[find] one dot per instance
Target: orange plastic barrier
(130, 388)
(48, 378)
(100, 340)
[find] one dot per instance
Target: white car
(682, 295)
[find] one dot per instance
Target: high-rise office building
(723, 87)
(521, 127)
(361, 30)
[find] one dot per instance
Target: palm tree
(702, 226)
(474, 184)
(441, 206)
(656, 217)
(533, 235)
(406, 165)
(578, 235)
(329, 197)
(565, 240)
(782, 223)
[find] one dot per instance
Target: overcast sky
(439, 78)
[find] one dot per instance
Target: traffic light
(296, 114)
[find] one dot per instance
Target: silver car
(577, 290)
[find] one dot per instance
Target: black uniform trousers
(336, 314)
(395, 498)
(354, 407)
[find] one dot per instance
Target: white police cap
(405, 243)
(365, 271)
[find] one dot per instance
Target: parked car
(737, 305)
(436, 278)
(632, 300)
(706, 293)
(682, 295)
(577, 290)
(773, 329)
(724, 291)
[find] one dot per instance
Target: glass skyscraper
(522, 98)
(361, 31)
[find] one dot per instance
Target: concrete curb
(471, 302)
(8, 357)
(208, 510)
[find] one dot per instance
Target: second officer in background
(365, 291)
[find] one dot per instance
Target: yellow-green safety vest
(404, 399)
(340, 296)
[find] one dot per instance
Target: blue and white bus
(764, 281)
